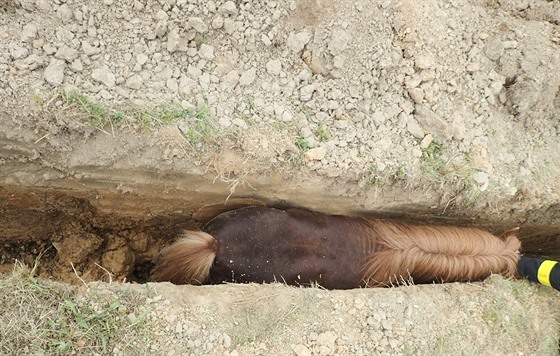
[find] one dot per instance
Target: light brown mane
(437, 253)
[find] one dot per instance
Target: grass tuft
(46, 317)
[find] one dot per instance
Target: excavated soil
(124, 122)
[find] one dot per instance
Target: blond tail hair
(438, 254)
(187, 261)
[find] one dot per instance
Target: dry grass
(41, 316)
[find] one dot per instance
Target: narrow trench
(115, 238)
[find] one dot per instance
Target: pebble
(66, 53)
(104, 76)
(228, 8)
(301, 350)
(339, 41)
(206, 52)
(316, 154)
(248, 77)
(494, 48)
(54, 73)
(296, 41)
(274, 67)
(135, 82)
(29, 33)
(197, 24)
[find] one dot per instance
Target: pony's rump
(426, 254)
(187, 261)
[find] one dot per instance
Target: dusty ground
(124, 122)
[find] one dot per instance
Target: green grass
(322, 133)
(44, 317)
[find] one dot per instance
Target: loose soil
(124, 123)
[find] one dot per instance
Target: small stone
(248, 77)
(316, 154)
(88, 49)
(18, 52)
(301, 350)
(29, 33)
(339, 41)
(327, 339)
(217, 22)
(104, 76)
(306, 92)
(296, 41)
(494, 48)
(135, 82)
(274, 67)
(424, 61)
(173, 40)
(66, 53)
(481, 178)
(141, 59)
(417, 95)
(161, 29)
(379, 118)
(64, 13)
(433, 123)
(206, 52)
(426, 141)
(198, 24)
(227, 341)
(77, 66)
(228, 9)
(54, 73)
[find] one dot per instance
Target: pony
(301, 247)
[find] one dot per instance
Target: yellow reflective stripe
(544, 272)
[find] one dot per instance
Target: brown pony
(299, 247)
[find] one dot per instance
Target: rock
(316, 154)
(43, 5)
(173, 40)
(296, 41)
(417, 95)
(433, 123)
(248, 77)
(306, 92)
(230, 80)
(141, 59)
(161, 29)
(64, 13)
(426, 141)
(54, 73)
(327, 339)
(228, 9)
(227, 340)
(88, 49)
(29, 33)
(31, 63)
(301, 350)
(424, 61)
(378, 118)
(206, 52)
(198, 24)
(104, 76)
(66, 53)
(481, 178)
(77, 66)
(135, 82)
(494, 48)
(18, 52)
(413, 127)
(217, 22)
(274, 67)
(339, 41)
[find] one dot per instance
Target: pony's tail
(425, 254)
(187, 261)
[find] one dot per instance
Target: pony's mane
(437, 253)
